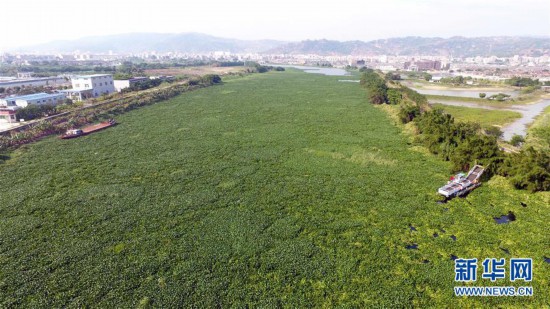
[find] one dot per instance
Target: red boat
(72, 133)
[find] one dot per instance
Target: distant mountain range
(455, 46)
(159, 42)
(202, 43)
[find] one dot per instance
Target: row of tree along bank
(463, 144)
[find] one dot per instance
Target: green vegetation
(523, 82)
(529, 169)
(34, 111)
(258, 68)
(144, 85)
(499, 97)
(457, 80)
(272, 190)
(133, 67)
(493, 100)
(78, 116)
(422, 76)
(458, 142)
(538, 135)
(517, 140)
(484, 117)
(392, 76)
(464, 144)
(375, 85)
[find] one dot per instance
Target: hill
(202, 43)
(455, 46)
(160, 42)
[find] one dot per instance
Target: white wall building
(127, 83)
(36, 98)
(99, 83)
(7, 116)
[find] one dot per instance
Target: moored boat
(72, 133)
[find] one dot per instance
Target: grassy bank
(516, 101)
(482, 116)
(421, 83)
(538, 134)
(277, 189)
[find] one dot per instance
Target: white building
(100, 84)
(36, 98)
(127, 83)
(34, 82)
(7, 116)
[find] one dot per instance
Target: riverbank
(529, 113)
(443, 87)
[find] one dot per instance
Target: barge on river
(462, 184)
(72, 133)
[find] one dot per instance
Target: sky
(29, 22)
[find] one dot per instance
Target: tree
(2, 89)
(392, 76)
(493, 131)
(529, 169)
(408, 113)
(122, 76)
(394, 96)
(34, 111)
(517, 140)
(476, 149)
(482, 95)
(427, 77)
(211, 79)
(522, 81)
(499, 97)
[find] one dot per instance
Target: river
(317, 70)
(457, 92)
(462, 93)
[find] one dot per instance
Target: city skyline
(283, 20)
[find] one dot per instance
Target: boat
(461, 184)
(73, 133)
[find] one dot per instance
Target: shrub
(34, 111)
(408, 113)
(529, 169)
(394, 96)
(517, 140)
(375, 86)
(493, 131)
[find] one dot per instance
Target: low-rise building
(7, 116)
(36, 98)
(34, 82)
(100, 84)
(127, 83)
(78, 95)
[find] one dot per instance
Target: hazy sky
(26, 22)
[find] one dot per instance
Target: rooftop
(91, 76)
(33, 96)
(19, 80)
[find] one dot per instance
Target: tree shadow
(4, 158)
